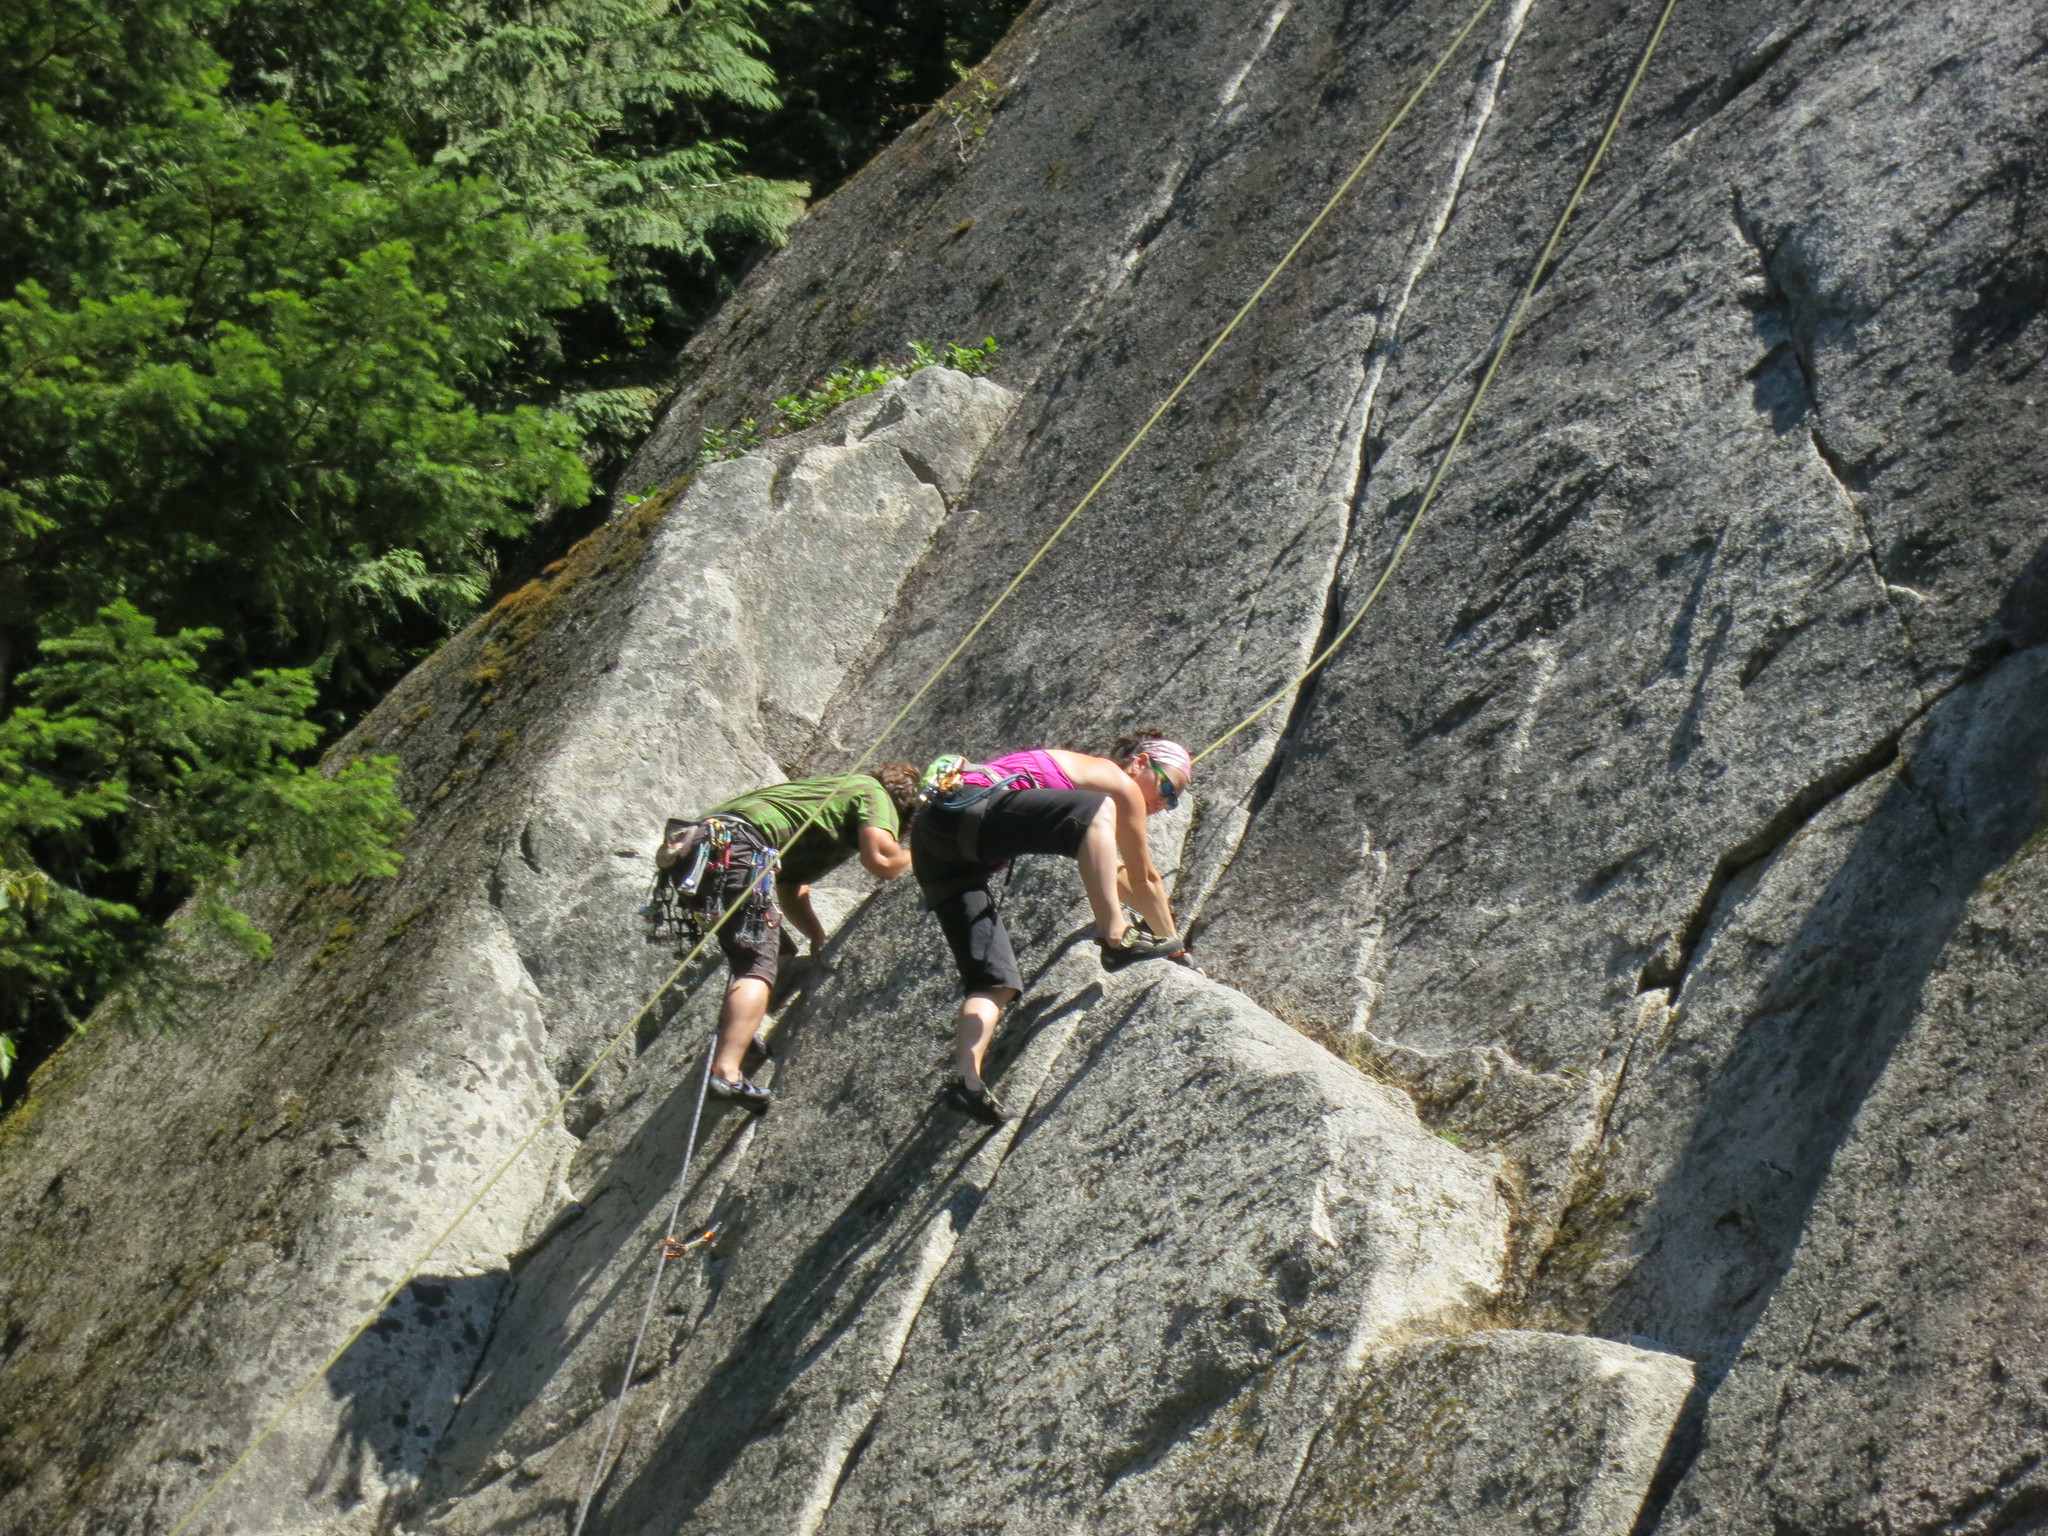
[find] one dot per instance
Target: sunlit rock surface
(1663, 839)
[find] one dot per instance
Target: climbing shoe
(1136, 946)
(743, 1093)
(757, 1053)
(976, 1104)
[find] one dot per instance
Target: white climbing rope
(662, 1255)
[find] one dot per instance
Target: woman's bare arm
(1146, 891)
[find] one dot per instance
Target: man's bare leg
(974, 1027)
(746, 1005)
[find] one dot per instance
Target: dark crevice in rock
(1680, 1451)
(1731, 90)
(1235, 134)
(852, 1462)
(921, 467)
(1371, 444)
(1851, 479)
(2001, 1510)
(1673, 963)
(1746, 74)
(1308, 1456)
(1788, 314)
(1768, 649)
(1841, 1052)
(1297, 713)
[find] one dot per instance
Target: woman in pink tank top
(1045, 800)
(1040, 767)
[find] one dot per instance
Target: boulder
(312, 1124)
(1492, 1434)
(1196, 1209)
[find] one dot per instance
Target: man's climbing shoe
(744, 1093)
(1138, 946)
(757, 1053)
(976, 1104)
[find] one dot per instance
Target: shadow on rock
(398, 1382)
(1816, 1034)
(819, 1300)
(568, 1286)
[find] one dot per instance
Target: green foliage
(969, 110)
(809, 406)
(575, 107)
(239, 374)
(128, 785)
(592, 115)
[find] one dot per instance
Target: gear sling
(707, 858)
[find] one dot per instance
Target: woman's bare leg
(974, 1027)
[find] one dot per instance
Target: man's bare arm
(795, 901)
(881, 855)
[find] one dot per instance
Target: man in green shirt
(859, 815)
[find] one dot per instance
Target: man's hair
(900, 780)
(1126, 746)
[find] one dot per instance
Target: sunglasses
(1168, 790)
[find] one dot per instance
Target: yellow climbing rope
(1507, 336)
(553, 1115)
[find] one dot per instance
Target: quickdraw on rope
(1507, 336)
(490, 1180)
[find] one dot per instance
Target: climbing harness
(703, 859)
(552, 1117)
(943, 787)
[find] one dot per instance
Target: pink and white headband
(1169, 754)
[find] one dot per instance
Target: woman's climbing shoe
(1138, 946)
(743, 1093)
(976, 1104)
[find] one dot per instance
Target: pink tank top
(1038, 766)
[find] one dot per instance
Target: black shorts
(954, 877)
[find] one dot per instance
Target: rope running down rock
(667, 1250)
(490, 1181)
(1507, 336)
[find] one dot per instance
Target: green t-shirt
(851, 801)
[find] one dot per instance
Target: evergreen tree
(123, 779)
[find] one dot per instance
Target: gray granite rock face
(1649, 838)
(1491, 1434)
(1896, 1379)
